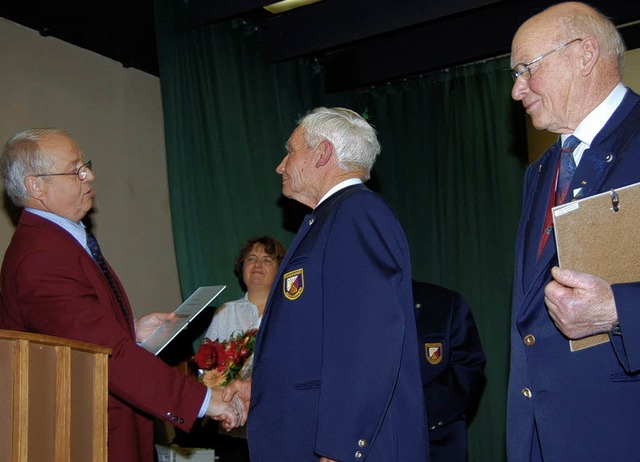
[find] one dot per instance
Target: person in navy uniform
(566, 403)
(453, 364)
(336, 374)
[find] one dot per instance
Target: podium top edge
(53, 341)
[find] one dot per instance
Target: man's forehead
(296, 138)
(543, 27)
(529, 42)
(62, 148)
(55, 142)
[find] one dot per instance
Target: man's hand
(580, 304)
(231, 413)
(324, 459)
(238, 393)
(241, 388)
(146, 324)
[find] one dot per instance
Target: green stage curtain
(227, 114)
(452, 164)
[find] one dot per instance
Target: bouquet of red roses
(221, 362)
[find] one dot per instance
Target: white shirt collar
(339, 186)
(593, 123)
(587, 130)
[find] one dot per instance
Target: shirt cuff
(205, 403)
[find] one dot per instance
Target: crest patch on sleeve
(433, 352)
(293, 284)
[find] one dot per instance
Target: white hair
(21, 157)
(355, 141)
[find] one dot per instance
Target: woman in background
(255, 267)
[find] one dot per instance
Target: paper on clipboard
(600, 235)
(186, 312)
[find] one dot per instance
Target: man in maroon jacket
(53, 283)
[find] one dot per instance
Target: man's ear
(325, 151)
(590, 52)
(34, 186)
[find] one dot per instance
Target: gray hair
(354, 139)
(21, 157)
(590, 22)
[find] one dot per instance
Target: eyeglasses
(82, 172)
(524, 69)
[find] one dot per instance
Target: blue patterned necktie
(567, 168)
(96, 253)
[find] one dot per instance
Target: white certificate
(192, 306)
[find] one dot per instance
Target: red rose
(205, 358)
(223, 361)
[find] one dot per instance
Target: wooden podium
(53, 399)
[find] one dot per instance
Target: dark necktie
(567, 169)
(96, 253)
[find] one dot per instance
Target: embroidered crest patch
(293, 284)
(433, 352)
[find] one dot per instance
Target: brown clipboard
(600, 235)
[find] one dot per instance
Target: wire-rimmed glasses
(524, 69)
(82, 172)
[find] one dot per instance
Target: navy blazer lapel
(593, 169)
(542, 179)
(587, 181)
(534, 268)
(607, 147)
(307, 222)
(591, 172)
(306, 225)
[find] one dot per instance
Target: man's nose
(90, 176)
(519, 89)
(280, 167)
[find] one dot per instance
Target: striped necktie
(567, 169)
(96, 253)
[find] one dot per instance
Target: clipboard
(186, 312)
(600, 235)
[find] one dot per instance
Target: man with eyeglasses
(52, 285)
(580, 405)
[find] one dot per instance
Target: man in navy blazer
(583, 404)
(336, 374)
(453, 363)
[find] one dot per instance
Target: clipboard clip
(615, 201)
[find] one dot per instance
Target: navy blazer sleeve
(627, 343)
(452, 383)
(364, 324)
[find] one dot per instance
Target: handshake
(230, 405)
